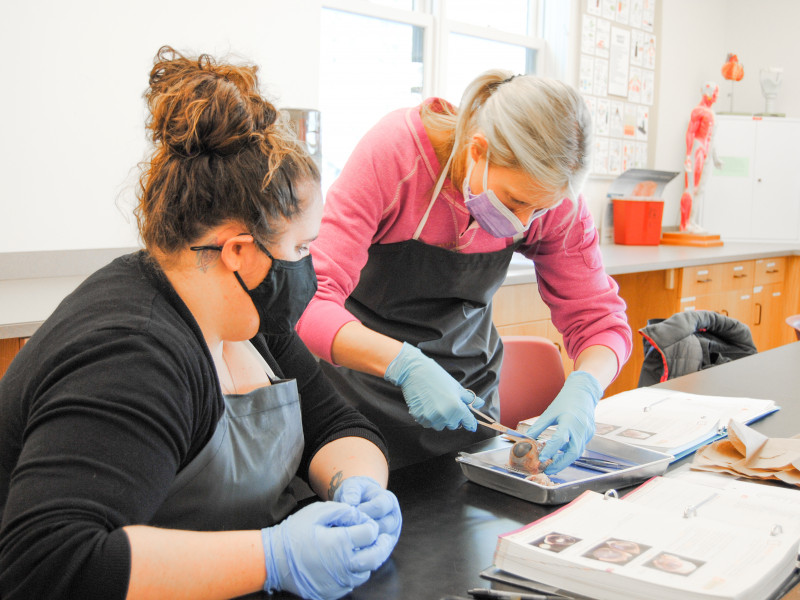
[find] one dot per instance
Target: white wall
(696, 37)
(73, 114)
(74, 74)
(764, 34)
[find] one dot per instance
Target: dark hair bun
(199, 107)
(221, 153)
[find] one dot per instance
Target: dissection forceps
(593, 464)
(492, 423)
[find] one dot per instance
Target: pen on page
(486, 594)
(652, 404)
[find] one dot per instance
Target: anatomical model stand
(698, 147)
(770, 79)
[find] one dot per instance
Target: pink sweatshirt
(382, 195)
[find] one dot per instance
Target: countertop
(33, 283)
(619, 259)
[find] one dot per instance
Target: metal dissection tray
(490, 469)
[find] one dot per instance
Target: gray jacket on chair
(690, 341)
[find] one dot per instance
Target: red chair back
(530, 377)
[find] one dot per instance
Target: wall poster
(617, 80)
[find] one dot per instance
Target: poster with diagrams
(616, 77)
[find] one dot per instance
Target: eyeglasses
(258, 244)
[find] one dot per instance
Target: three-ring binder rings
(693, 536)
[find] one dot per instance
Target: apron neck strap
(437, 188)
(264, 364)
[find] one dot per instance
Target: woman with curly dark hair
(156, 430)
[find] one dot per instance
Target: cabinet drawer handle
(739, 275)
(773, 271)
(708, 280)
(758, 319)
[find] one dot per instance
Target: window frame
(431, 17)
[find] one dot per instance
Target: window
(381, 55)
(358, 87)
(469, 56)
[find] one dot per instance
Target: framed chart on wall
(616, 78)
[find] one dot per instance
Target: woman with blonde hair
(157, 429)
(416, 237)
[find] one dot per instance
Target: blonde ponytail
(538, 125)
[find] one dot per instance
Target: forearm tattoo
(336, 482)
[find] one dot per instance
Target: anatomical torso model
(698, 147)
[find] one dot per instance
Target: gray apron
(244, 478)
(439, 301)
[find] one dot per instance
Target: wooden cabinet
(725, 288)
(8, 350)
(769, 307)
(519, 310)
(760, 293)
(700, 281)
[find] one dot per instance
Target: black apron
(440, 302)
(244, 478)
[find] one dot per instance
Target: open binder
(671, 422)
(696, 537)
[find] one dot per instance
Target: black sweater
(111, 397)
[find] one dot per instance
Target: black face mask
(283, 295)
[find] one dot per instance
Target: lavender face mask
(493, 216)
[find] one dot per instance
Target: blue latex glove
(370, 498)
(323, 551)
(573, 413)
(434, 398)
